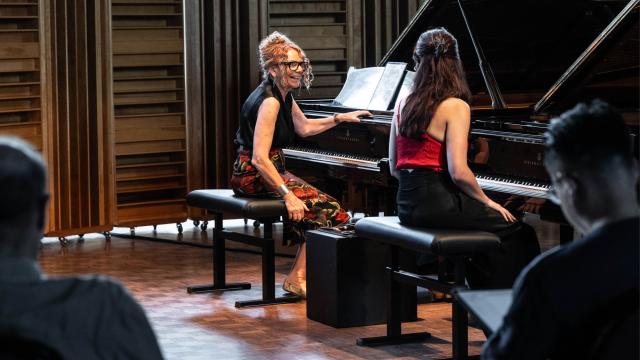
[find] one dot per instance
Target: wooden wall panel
(381, 23)
(20, 85)
(324, 30)
(230, 38)
(77, 115)
(151, 118)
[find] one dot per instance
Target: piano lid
(609, 69)
(529, 44)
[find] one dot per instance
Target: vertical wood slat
(225, 89)
(105, 173)
(194, 98)
(75, 110)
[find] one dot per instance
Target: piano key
(332, 158)
(512, 186)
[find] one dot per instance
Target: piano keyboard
(491, 183)
(514, 187)
(333, 158)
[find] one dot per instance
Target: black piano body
(526, 62)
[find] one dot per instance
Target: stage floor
(208, 326)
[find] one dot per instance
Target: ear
(273, 72)
(575, 189)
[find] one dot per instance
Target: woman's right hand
(295, 206)
(353, 116)
(508, 217)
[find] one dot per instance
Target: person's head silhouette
(23, 198)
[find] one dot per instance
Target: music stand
(488, 306)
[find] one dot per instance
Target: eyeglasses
(294, 65)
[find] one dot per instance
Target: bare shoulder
(453, 104)
(270, 103)
(269, 109)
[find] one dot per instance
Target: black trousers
(430, 199)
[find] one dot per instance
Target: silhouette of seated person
(87, 317)
(566, 297)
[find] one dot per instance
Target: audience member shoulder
(94, 284)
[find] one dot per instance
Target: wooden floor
(208, 326)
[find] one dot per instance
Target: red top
(425, 153)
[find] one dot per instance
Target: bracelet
(335, 118)
(282, 190)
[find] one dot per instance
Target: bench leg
(394, 311)
(268, 275)
(459, 316)
(219, 265)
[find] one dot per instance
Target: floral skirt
(324, 210)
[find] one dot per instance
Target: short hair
(588, 136)
(22, 180)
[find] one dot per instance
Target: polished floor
(208, 326)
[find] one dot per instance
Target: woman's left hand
(353, 116)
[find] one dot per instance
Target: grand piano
(526, 62)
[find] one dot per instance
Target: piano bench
(456, 245)
(267, 212)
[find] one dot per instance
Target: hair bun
(275, 38)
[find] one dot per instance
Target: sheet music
(387, 86)
(405, 89)
(374, 88)
(359, 87)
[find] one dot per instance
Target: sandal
(295, 289)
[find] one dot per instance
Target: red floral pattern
(324, 210)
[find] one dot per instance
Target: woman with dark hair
(428, 155)
(270, 119)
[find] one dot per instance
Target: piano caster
(132, 231)
(64, 242)
(155, 227)
(246, 221)
(204, 225)
(107, 235)
(179, 226)
(256, 224)
(196, 223)
(80, 237)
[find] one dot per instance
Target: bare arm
(308, 127)
(392, 143)
(458, 121)
(262, 139)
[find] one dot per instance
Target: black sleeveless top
(284, 132)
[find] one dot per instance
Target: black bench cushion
(387, 229)
(224, 200)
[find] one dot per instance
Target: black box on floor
(347, 281)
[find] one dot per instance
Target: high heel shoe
(297, 289)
